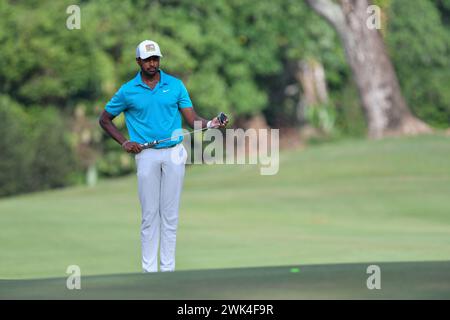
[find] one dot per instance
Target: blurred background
(346, 191)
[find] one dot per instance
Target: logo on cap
(150, 47)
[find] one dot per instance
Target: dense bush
(350, 119)
(419, 45)
(15, 159)
(52, 154)
(35, 150)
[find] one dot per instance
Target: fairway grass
(347, 202)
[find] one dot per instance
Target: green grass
(399, 280)
(351, 201)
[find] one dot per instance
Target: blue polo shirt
(151, 114)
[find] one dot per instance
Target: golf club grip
(222, 117)
(148, 145)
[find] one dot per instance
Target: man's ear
(138, 61)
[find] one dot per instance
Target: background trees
(278, 60)
(418, 39)
(384, 105)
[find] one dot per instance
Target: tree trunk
(310, 75)
(385, 108)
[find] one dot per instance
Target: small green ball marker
(295, 270)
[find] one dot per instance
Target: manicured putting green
(404, 280)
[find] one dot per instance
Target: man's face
(149, 66)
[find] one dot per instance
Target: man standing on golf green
(152, 103)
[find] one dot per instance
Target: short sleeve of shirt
(184, 100)
(117, 103)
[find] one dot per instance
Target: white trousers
(160, 174)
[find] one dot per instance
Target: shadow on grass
(399, 280)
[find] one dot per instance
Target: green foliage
(36, 153)
(350, 119)
(444, 9)
(15, 160)
(53, 156)
(276, 36)
(419, 47)
(41, 61)
(322, 117)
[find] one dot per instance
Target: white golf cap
(148, 48)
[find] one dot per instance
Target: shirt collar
(162, 79)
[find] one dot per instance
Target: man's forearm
(109, 127)
(191, 117)
(203, 121)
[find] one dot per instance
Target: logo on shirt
(167, 90)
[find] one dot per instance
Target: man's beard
(150, 73)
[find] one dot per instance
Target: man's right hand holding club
(218, 122)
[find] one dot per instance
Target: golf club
(221, 117)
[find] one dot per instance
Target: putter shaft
(221, 117)
(148, 145)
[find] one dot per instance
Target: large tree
(385, 108)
